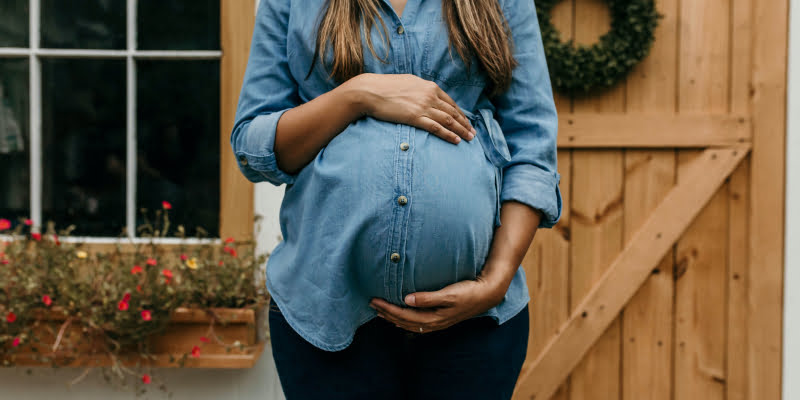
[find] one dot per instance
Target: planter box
(185, 328)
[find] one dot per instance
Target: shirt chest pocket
(442, 64)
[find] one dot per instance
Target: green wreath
(580, 70)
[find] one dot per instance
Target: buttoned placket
(402, 153)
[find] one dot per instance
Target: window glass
(178, 25)
(14, 161)
(13, 23)
(178, 141)
(83, 24)
(83, 145)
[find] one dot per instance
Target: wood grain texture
(597, 220)
(767, 202)
(236, 194)
(629, 269)
(650, 129)
(701, 254)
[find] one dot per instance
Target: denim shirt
(387, 209)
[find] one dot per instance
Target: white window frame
(131, 54)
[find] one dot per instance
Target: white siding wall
(791, 324)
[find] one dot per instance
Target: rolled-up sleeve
(527, 115)
(267, 92)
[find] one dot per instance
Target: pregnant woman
(417, 143)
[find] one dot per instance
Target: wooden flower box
(240, 331)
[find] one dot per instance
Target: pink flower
(4, 261)
(165, 204)
(151, 261)
(204, 339)
(195, 351)
(11, 317)
(126, 297)
(47, 300)
(4, 224)
(15, 342)
(36, 236)
(146, 315)
(136, 270)
(184, 257)
(146, 379)
(167, 273)
(122, 306)
(29, 222)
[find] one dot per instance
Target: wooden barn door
(663, 278)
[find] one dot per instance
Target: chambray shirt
(387, 209)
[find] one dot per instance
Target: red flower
(136, 270)
(167, 273)
(184, 257)
(204, 339)
(139, 288)
(11, 317)
(47, 300)
(29, 222)
(4, 261)
(165, 204)
(4, 224)
(15, 342)
(126, 297)
(229, 240)
(146, 315)
(36, 236)
(195, 351)
(230, 250)
(151, 261)
(146, 379)
(122, 306)
(55, 239)
(219, 263)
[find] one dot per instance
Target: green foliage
(116, 298)
(581, 70)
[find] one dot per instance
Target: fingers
(430, 299)
(409, 319)
(443, 96)
(456, 115)
(446, 120)
(432, 126)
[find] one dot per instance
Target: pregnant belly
(447, 223)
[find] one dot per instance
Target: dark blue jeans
(475, 359)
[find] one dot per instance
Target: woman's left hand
(433, 311)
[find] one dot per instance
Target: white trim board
(791, 292)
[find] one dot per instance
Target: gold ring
(420, 329)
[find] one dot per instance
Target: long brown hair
(472, 24)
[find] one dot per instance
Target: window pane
(178, 141)
(178, 25)
(83, 145)
(13, 23)
(14, 170)
(83, 24)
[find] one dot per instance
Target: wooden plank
(601, 306)
(767, 203)
(547, 271)
(701, 255)
(237, 18)
(562, 17)
(596, 220)
(738, 364)
(649, 175)
(652, 130)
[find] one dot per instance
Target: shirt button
(402, 200)
(404, 146)
(395, 257)
(243, 160)
(400, 30)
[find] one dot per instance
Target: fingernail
(472, 129)
(411, 300)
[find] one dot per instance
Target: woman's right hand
(411, 100)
